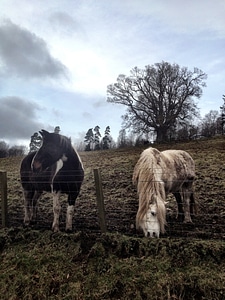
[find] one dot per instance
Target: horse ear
(44, 133)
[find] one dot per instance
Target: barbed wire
(121, 206)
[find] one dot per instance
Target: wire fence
(120, 208)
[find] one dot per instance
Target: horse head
(151, 223)
(51, 151)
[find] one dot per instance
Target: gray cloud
(18, 118)
(101, 103)
(24, 54)
(65, 24)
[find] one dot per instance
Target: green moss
(42, 265)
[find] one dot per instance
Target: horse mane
(149, 186)
(64, 141)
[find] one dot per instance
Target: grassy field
(187, 262)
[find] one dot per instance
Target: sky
(58, 56)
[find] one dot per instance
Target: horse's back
(181, 161)
(152, 159)
(170, 167)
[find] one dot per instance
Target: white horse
(157, 174)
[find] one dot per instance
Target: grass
(43, 265)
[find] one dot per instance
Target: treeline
(6, 150)
(94, 141)
(211, 125)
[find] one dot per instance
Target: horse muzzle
(36, 167)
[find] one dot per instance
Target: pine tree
(35, 142)
(107, 139)
(97, 137)
(89, 139)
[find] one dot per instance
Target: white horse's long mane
(150, 188)
(158, 173)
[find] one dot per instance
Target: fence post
(3, 191)
(100, 200)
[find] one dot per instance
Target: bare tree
(222, 108)
(210, 124)
(122, 139)
(4, 148)
(17, 150)
(157, 97)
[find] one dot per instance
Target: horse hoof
(26, 224)
(55, 229)
(188, 222)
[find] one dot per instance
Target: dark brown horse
(157, 174)
(57, 168)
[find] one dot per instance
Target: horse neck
(72, 158)
(159, 187)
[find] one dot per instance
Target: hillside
(116, 167)
(188, 262)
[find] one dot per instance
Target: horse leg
(28, 196)
(30, 206)
(187, 195)
(36, 196)
(193, 205)
(69, 218)
(70, 212)
(180, 213)
(56, 211)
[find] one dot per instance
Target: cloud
(24, 54)
(18, 118)
(66, 25)
(100, 103)
(183, 17)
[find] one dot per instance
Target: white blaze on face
(151, 223)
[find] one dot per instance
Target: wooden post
(3, 191)
(100, 200)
